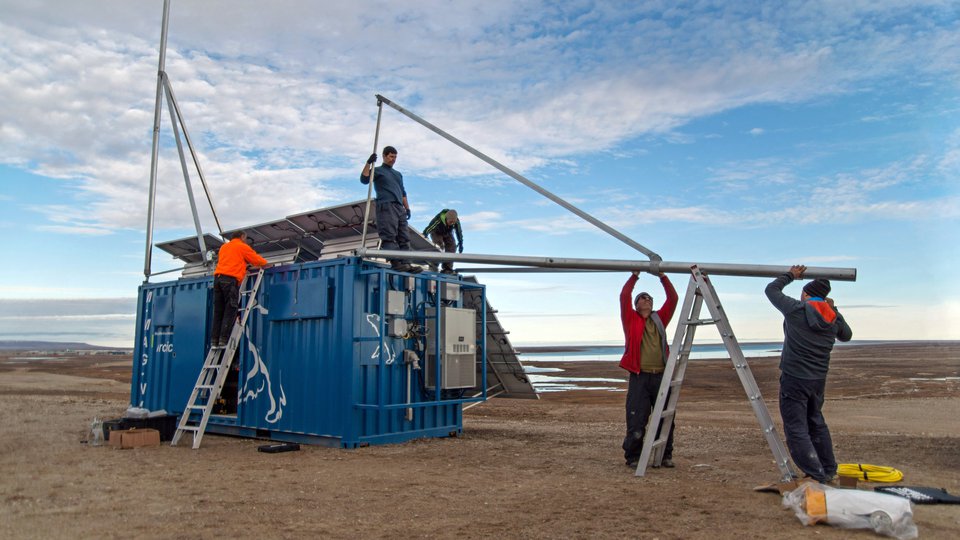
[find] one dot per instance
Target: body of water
(612, 353)
(546, 378)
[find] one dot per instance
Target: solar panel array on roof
(303, 237)
(188, 249)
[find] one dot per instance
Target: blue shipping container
(318, 362)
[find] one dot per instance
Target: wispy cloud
(282, 115)
(483, 221)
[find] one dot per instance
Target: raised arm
(844, 333)
(774, 292)
(365, 173)
(670, 304)
(626, 302)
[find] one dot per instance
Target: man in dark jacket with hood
(811, 326)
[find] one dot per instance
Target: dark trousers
(226, 300)
(448, 244)
(392, 227)
(808, 437)
(642, 392)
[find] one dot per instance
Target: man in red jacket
(645, 356)
(231, 269)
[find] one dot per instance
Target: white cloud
(281, 106)
(483, 221)
(81, 231)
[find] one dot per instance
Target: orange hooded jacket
(233, 258)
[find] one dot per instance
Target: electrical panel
(396, 327)
(458, 348)
(450, 291)
(396, 302)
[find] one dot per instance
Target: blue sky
(824, 133)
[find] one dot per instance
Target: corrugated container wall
(317, 362)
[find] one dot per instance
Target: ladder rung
(667, 413)
(198, 407)
(701, 322)
(206, 386)
(658, 442)
(676, 383)
(190, 428)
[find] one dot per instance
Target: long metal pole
(504, 169)
(193, 153)
(713, 269)
(183, 167)
(366, 211)
(151, 197)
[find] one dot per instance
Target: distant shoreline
(30, 345)
(533, 349)
(19, 345)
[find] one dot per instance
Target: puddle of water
(554, 387)
(538, 369)
(552, 379)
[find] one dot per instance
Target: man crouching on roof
(811, 326)
(644, 356)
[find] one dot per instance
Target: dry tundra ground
(522, 469)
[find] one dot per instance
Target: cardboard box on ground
(134, 438)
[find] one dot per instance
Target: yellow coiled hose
(869, 473)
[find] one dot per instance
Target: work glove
(372, 159)
(408, 214)
(460, 248)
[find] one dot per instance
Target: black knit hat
(819, 287)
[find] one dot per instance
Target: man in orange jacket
(227, 277)
(645, 356)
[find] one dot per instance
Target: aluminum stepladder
(214, 371)
(700, 291)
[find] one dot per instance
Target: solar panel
(188, 249)
(308, 236)
(335, 222)
(281, 235)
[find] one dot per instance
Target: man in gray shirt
(393, 210)
(811, 326)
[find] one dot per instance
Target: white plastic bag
(96, 432)
(136, 412)
(888, 515)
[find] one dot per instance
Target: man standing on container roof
(441, 230)
(231, 268)
(811, 326)
(393, 210)
(645, 357)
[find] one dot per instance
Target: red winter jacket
(633, 323)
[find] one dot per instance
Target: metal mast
(152, 195)
(176, 118)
